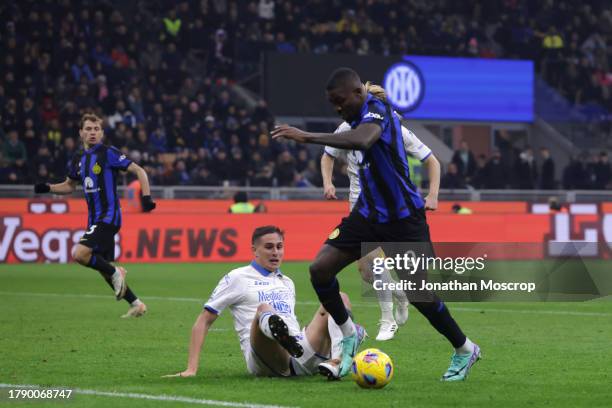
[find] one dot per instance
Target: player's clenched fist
(147, 204)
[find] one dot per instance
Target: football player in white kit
(389, 320)
(262, 303)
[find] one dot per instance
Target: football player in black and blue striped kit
(96, 168)
(389, 209)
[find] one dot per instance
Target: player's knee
(81, 254)
(263, 307)
(318, 274)
(365, 272)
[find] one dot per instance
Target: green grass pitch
(60, 326)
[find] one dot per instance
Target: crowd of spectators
(161, 73)
(521, 169)
(163, 86)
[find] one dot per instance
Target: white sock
(400, 295)
(348, 328)
(136, 302)
(467, 348)
(386, 311)
(385, 298)
(264, 326)
(335, 334)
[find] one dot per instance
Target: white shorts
(306, 365)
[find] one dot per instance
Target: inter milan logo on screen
(404, 86)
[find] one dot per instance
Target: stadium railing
(315, 193)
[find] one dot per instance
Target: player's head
(241, 197)
(90, 129)
(268, 244)
(346, 92)
(376, 91)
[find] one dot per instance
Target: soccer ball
(372, 369)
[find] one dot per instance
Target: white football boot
(118, 281)
(136, 310)
(387, 330)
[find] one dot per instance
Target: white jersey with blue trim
(243, 289)
(412, 144)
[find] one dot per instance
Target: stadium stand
(162, 75)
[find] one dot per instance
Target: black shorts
(355, 229)
(391, 238)
(100, 238)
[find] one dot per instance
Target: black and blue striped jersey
(387, 193)
(96, 168)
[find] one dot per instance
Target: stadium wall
(184, 235)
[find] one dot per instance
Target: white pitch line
(162, 397)
(310, 303)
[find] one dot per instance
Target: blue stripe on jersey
(109, 191)
(384, 170)
(90, 208)
(95, 196)
(400, 162)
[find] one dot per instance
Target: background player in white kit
(389, 320)
(262, 303)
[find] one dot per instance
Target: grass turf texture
(534, 353)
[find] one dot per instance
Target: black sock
(129, 295)
(440, 318)
(329, 296)
(101, 265)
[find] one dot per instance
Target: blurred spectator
(459, 209)
(237, 173)
(526, 172)
(465, 161)
(547, 173)
(204, 177)
(285, 170)
(494, 175)
(172, 24)
(603, 173)
(452, 179)
(555, 206)
(241, 204)
(575, 175)
(13, 149)
(552, 63)
(81, 69)
(266, 9)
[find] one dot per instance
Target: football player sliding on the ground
(261, 300)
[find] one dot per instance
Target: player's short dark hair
(92, 117)
(264, 230)
(342, 77)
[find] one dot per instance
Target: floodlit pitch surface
(60, 327)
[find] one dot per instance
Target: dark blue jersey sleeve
(72, 169)
(374, 112)
(116, 159)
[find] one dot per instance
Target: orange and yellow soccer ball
(372, 368)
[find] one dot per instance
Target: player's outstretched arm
(360, 138)
(66, 187)
(147, 202)
(327, 170)
(433, 171)
(199, 331)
